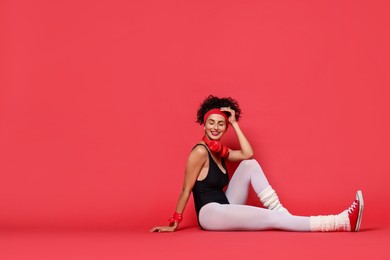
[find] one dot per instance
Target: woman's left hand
(232, 117)
(171, 228)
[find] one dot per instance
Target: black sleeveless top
(210, 189)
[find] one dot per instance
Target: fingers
(162, 229)
(232, 117)
(154, 229)
(227, 109)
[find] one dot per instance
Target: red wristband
(176, 218)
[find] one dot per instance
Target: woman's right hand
(170, 228)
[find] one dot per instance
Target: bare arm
(194, 165)
(246, 151)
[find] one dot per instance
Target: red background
(98, 102)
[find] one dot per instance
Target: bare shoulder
(199, 151)
(198, 157)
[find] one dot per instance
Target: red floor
(192, 243)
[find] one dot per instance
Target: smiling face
(215, 126)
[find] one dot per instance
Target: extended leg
(214, 216)
(225, 217)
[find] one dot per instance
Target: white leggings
(237, 216)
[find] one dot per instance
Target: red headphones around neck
(216, 147)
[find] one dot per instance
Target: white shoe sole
(359, 197)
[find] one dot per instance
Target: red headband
(215, 111)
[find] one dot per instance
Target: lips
(214, 133)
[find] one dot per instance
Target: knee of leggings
(249, 163)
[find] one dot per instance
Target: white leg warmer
(270, 200)
(327, 223)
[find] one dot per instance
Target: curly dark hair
(211, 102)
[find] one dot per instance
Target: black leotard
(210, 189)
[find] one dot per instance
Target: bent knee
(249, 163)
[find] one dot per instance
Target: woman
(206, 176)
